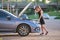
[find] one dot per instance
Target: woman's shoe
(46, 33)
(41, 33)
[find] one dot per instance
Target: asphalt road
(53, 28)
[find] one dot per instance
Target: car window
(3, 14)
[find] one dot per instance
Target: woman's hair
(37, 7)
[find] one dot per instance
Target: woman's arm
(40, 15)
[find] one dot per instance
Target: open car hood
(25, 9)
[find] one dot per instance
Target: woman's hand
(39, 20)
(36, 11)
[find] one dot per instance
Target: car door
(5, 23)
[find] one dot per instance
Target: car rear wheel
(23, 30)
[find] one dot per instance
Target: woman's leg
(44, 28)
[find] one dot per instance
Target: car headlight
(37, 29)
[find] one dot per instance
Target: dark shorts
(42, 21)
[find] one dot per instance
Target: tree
(57, 2)
(2, 4)
(38, 1)
(5, 0)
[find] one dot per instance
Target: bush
(54, 13)
(33, 16)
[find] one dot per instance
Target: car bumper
(35, 30)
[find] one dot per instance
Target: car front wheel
(23, 30)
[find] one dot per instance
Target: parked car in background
(46, 16)
(11, 23)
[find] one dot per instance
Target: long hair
(38, 7)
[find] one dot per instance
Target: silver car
(46, 16)
(11, 23)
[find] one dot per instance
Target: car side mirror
(8, 18)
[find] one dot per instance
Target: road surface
(53, 28)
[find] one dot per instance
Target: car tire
(23, 29)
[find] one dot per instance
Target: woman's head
(37, 8)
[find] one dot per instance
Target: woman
(41, 20)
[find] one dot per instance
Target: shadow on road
(30, 35)
(9, 35)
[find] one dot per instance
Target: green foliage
(33, 16)
(50, 8)
(55, 0)
(54, 13)
(37, 1)
(43, 1)
(5, 0)
(29, 11)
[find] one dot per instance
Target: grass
(54, 13)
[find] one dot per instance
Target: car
(46, 16)
(11, 23)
